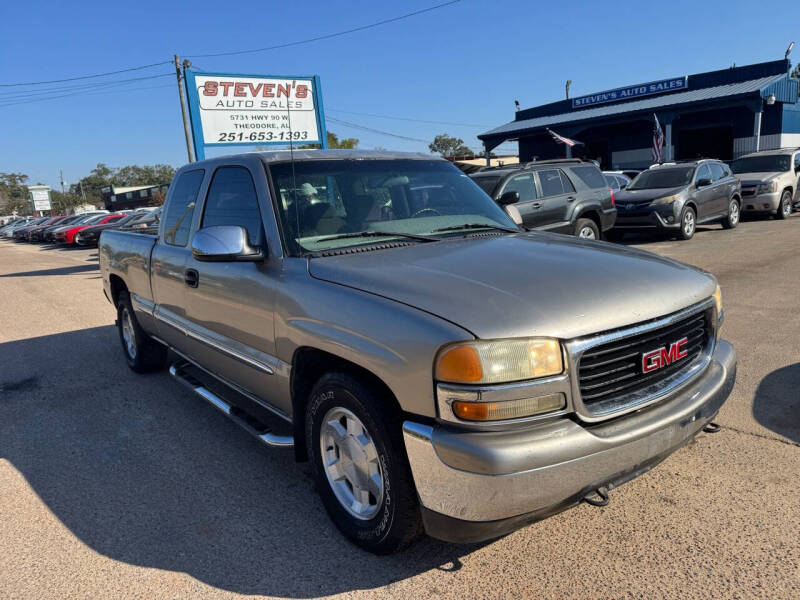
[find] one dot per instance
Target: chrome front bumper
(486, 478)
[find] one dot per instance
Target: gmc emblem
(658, 359)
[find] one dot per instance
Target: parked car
(7, 230)
(564, 196)
(441, 369)
(23, 233)
(52, 232)
(770, 181)
(67, 235)
(676, 197)
(91, 234)
(146, 222)
(36, 234)
(616, 180)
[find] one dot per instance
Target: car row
(79, 230)
(573, 196)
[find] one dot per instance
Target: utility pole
(61, 176)
(569, 83)
(189, 149)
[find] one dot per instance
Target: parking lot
(119, 485)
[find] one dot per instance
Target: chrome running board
(179, 371)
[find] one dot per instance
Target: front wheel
(688, 223)
(354, 441)
(785, 207)
(732, 220)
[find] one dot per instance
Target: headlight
(499, 361)
(768, 187)
(666, 199)
(718, 302)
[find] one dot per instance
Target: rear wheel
(354, 441)
(785, 206)
(587, 229)
(142, 352)
(688, 223)
(732, 220)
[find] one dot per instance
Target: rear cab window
(178, 217)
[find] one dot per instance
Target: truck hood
(535, 284)
(637, 196)
(754, 178)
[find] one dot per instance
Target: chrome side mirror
(224, 243)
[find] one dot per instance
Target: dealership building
(721, 114)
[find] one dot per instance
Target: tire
(143, 353)
(734, 214)
(587, 229)
(785, 206)
(688, 223)
(388, 517)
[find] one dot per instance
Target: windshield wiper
(372, 233)
(476, 226)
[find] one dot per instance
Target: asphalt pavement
(117, 485)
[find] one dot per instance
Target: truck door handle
(570, 198)
(536, 205)
(191, 277)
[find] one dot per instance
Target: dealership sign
(254, 110)
(633, 91)
(40, 195)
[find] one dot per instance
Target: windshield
(662, 178)
(762, 164)
(320, 200)
(487, 183)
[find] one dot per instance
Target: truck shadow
(56, 271)
(777, 402)
(144, 473)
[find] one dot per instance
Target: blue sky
(464, 63)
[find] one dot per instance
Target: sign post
(254, 110)
(40, 197)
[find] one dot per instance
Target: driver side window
(703, 173)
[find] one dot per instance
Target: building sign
(254, 110)
(41, 198)
(633, 91)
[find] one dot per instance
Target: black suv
(675, 197)
(566, 196)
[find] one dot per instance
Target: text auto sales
(645, 89)
(262, 95)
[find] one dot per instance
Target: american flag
(658, 140)
(560, 139)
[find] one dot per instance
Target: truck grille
(613, 370)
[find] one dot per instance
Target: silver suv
(769, 181)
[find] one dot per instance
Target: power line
(166, 62)
(329, 35)
(99, 93)
(378, 131)
(349, 112)
(84, 86)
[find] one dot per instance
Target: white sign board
(41, 199)
(255, 110)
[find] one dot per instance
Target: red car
(68, 236)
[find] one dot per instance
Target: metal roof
(656, 102)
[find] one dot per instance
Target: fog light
(512, 409)
(670, 219)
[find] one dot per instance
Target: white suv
(769, 181)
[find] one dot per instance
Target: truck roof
(312, 154)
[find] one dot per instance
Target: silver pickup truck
(442, 370)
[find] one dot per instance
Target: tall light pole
(186, 132)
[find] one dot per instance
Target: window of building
(551, 182)
(232, 200)
(522, 184)
(178, 219)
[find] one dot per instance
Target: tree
(14, 193)
(449, 147)
(131, 175)
(63, 203)
(335, 142)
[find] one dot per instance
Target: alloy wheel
(351, 463)
(586, 233)
(128, 333)
(733, 214)
(688, 223)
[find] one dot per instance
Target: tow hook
(598, 497)
(712, 427)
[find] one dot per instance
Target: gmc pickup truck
(442, 370)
